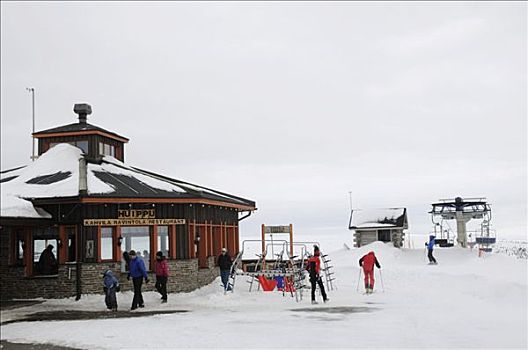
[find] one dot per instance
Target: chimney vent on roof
(83, 110)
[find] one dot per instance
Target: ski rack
(262, 262)
(237, 265)
(327, 272)
(329, 275)
(291, 270)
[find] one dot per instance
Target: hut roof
(378, 218)
(77, 128)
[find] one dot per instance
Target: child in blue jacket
(110, 287)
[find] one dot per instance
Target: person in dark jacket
(47, 264)
(138, 272)
(313, 265)
(110, 287)
(224, 262)
(430, 246)
(162, 275)
(367, 262)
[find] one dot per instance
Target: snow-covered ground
(464, 302)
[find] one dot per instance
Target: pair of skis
(381, 280)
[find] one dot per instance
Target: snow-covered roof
(378, 218)
(15, 207)
(55, 174)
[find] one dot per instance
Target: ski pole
(381, 280)
(359, 278)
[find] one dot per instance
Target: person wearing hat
(224, 262)
(138, 272)
(162, 274)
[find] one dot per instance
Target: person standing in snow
(138, 273)
(367, 262)
(162, 274)
(313, 265)
(224, 262)
(430, 247)
(110, 287)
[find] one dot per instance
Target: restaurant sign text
(132, 222)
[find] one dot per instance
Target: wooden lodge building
(82, 199)
(385, 225)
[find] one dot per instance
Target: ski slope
(464, 302)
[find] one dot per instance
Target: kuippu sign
(136, 213)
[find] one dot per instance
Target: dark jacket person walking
(224, 262)
(138, 273)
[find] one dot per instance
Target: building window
(136, 238)
(106, 149)
(107, 240)
(82, 144)
(163, 240)
(21, 246)
(45, 256)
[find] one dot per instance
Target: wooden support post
(28, 252)
(291, 239)
(117, 256)
(209, 231)
(263, 238)
(153, 245)
(99, 239)
(191, 241)
(237, 240)
(172, 241)
(62, 251)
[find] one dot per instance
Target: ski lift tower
(462, 210)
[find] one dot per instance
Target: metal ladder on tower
(329, 274)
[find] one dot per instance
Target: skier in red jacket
(313, 265)
(367, 262)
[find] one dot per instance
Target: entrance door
(384, 235)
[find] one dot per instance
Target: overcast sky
(292, 105)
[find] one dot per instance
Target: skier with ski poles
(367, 262)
